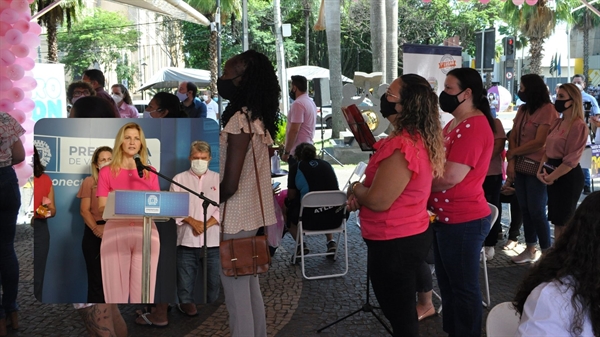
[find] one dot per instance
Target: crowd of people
(424, 199)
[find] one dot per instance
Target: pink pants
(121, 257)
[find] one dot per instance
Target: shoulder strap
(256, 173)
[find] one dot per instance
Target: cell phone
(549, 168)
(276, 184)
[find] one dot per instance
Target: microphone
(139, 165)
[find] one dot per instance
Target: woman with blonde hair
(121, 249)
(559, 167)
(393, 208)
(92, 235)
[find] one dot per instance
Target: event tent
(311, 72)
(170, 77)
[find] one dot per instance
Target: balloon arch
(19, 39)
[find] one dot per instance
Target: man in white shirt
(190, 230)
(301, 118)
(579, 79)
(212, 108)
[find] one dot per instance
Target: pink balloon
(31, 1)
(5, 83)
(35, 28)
(28, 125)
(27, 83)
(6, 57)
(25, 62)
(531, 2)
(25, 105)
(18, 115)
(21, 6)
(15, 72)
(9, 15)
(6, 105)
(16, 94)
(31, 40)
(484, 1)
(4, 27)
(22, 26)
(23, 174)
(20, 50)
(518, 2)
(4, 4)
(13, 36)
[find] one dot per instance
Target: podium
(148, 205)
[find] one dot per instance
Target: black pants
(424, 278)
(392, 266)
(41, 245)
(516, 217)
(491, 189)
(564, 194)
(90, 245)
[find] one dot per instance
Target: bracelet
(352, 186)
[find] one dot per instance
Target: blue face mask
(147, 114)
(215, 98)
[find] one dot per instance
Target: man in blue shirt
(587, 98)
(192, 105)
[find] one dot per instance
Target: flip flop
(427, 313)
(185, 312)
(146, 321)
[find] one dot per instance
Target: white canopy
(178, 9)
(170, 77)
(311, 72)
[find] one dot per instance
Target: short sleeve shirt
(88, 190)
(41, 189)
(128, 111)
(496, 162)
(526, 125)
(303, 111)
(242, 212)
(10, 131)
(408, 214)
(469, 143)
(567, 144)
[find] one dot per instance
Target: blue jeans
(533, 197)
(10, 201)
(190, 272)
(587, 178)
(457, 249)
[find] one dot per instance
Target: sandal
(427, 313)
(145, 321)
(189, 313)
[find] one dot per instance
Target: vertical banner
(595, 162)
(66, 147)
(50, 94)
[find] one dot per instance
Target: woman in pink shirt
(559, 168)
(392, 202)
(121, 248)
(463, 215)
(527, 139)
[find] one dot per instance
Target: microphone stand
(205, 203)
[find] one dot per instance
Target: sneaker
(586, 190)
(489, 252)
(510, 245)
(526, 256)
(331, 248)
(298, 252)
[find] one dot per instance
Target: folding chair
(502, 321)
(322, 199)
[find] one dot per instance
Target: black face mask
(559, 104)
(523, 96)
(226, 88)
(449, 103)
(387, 108)
(292, 94)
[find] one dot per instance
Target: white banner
(50, 94)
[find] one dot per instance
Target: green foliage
(103, 38)
(196, 39)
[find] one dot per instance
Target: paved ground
(294, 306)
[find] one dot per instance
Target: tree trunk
(52, 42)
(213, 59)
(279, 51)
(306, 4)
(333, 29)
(378, 45)
(586, 46)
(536, 49)
(391, 58)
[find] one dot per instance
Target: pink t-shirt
(469, 143)
(526, 125)
(304, 111)
(125, 180)
(88, 190)
(128, 111)
(408, 214)
(496, 162)
(567, 145)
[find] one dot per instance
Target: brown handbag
(246, 256)
(523, 164)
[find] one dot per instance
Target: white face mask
(117, 98)
(147, 114)
(103, 164)
(199, 166)
(205, 98)
(182, 97)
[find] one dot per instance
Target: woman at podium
(121, 248)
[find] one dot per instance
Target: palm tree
(585, 21)
(65, 12)
(378, 37)
(209, 8)
(536, 23)
(333, 30)
(391, 58)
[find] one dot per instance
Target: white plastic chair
(502, 321)
(322, 199)
(486, 301)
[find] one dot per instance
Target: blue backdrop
(66, 147)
